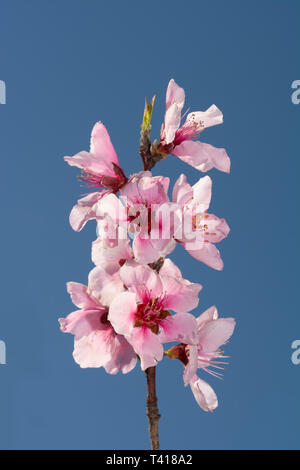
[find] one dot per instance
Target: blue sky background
(68, 64)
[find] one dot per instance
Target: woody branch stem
(152, 408)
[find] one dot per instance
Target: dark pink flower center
(186, 132)
(104, 319)
(113, 183)
(151, 314)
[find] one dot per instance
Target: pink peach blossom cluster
(136, 299)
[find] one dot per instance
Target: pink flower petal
(143, 188)
(182, 191)
(207, 253)
(89, 163)
(122, 313)
(101, 145)
(215, 333)
(204, 394)
(202, 156)
(99, 161)
(181, 327)
(111, 208)
(181, 295)
(147, 250)
(203, 119)
(153, 190)
(202, 193)
(93, 350)
(109, 256)
(169, 268)
(123, 356)
(147, 345)
(143, 250)
(174, 103)
(84, 210)
(217, 229)
(142, 280)
(82, 322)
(127, 356)
(210, 314)
(175, 94)
(80, 296)
(192, 365)
(131, 189)
(103, 286)
(172, 122)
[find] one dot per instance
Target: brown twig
(152, 408)
(151, 403)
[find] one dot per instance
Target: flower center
(114, 183)
(198, 223)
(104, 319)
(151, 314)
(188, 131)
(91, 180)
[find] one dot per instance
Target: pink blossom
(212, 333)
(111, 216)
(142, 313)
(142, 197)
(143, 188)
(110, 255)
(96, 344)
(100, 169)
(179, 140)
(136, 299)
(199, 230)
